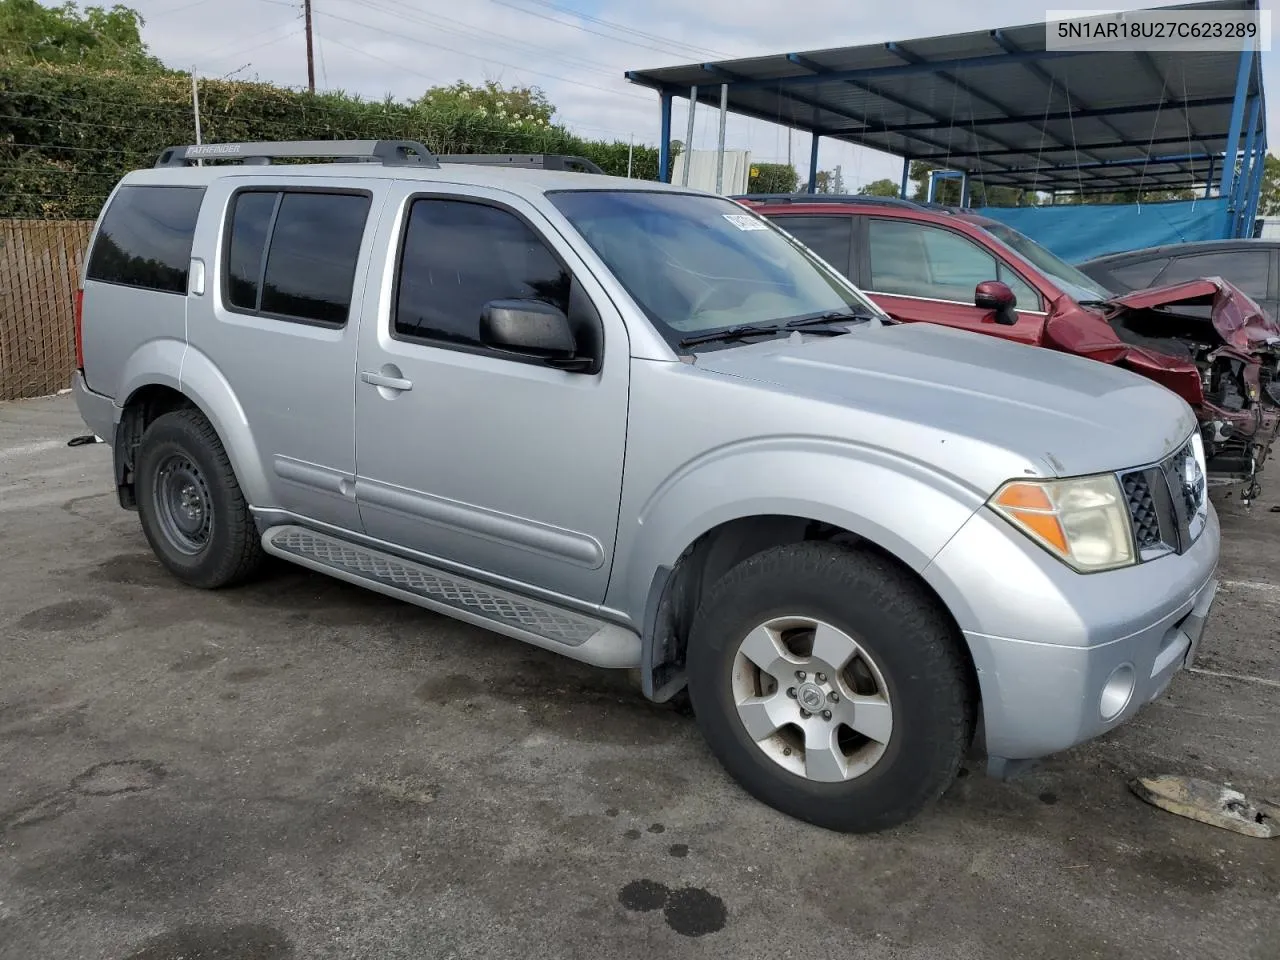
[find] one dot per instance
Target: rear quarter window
(145, 238)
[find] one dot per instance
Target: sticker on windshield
(744, 222)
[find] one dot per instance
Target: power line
(473, 32)
(401, 35)
(221, 53)
(391, 63)
(577, 26)
(614, 25)
(177, 9)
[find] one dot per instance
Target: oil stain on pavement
(690, 911)
(248, 941)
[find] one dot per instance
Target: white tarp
(702, 171)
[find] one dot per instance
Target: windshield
(697, 263)
(1080, 287)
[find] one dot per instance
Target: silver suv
(643, 428)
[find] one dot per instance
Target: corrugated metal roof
(997, 103)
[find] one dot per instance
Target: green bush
(68, 133)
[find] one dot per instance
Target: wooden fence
(39, 273)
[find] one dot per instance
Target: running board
(567, 632)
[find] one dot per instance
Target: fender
(171, 363)
(901, 505)
(155, 363)
(204, 383)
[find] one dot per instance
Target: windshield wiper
(731, 333)
(831, 316)
(813, 322)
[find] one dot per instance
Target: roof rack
(769, 198)
(538, 161)
(388, 152)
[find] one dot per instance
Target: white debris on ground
(1211, 803)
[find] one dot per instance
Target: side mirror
(995, 295)
(531, 328)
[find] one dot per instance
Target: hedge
(68, 134)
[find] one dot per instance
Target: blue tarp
(1077, 233)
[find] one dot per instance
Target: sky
(575, 50)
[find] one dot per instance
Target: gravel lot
(300, 769)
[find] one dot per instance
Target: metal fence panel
(39, 273)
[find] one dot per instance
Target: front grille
(1142, 508)
(1167, 504)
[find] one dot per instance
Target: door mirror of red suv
(994, 295)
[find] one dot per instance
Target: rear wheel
(192, 510)
(830, 687)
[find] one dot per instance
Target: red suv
(1205, 340)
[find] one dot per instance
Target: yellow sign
(755, 171)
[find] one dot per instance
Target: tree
(517, 104)
(880, 188)
(773, 178)
(980, 195)
(829, 181)
(1269, 204)
(1074, 197)
(99, 38)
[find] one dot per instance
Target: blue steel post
(664, 141)
(1227, 184)
(1240, 200)
(813, 163)
(906, 170)
(1255, 188)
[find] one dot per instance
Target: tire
(909, 671)
(192, 511)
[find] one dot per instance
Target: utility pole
(311, 63)
(195, 108)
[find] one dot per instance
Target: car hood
(976, 407)
(1235, 316)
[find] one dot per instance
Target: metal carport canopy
(1000, 106)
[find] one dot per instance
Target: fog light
(1117, 691)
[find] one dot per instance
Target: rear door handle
(382, 380)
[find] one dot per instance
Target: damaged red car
(1205, 340)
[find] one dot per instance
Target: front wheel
(830, 687)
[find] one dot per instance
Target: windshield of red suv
(697, 263)
(1078, 286)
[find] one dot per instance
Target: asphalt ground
(301, 769)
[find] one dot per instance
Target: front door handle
(382, 380)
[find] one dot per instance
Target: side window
(1246, 269)
(1028, 299)
(1132, 276)
(831, 238)
(293, 255)
(457, 256)
(145, 238)
(918, 260)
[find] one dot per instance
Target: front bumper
(1063, 657)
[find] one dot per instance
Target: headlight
(1084, 522)
(1197, 448)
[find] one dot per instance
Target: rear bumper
(97, 410)
(1063, 657)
